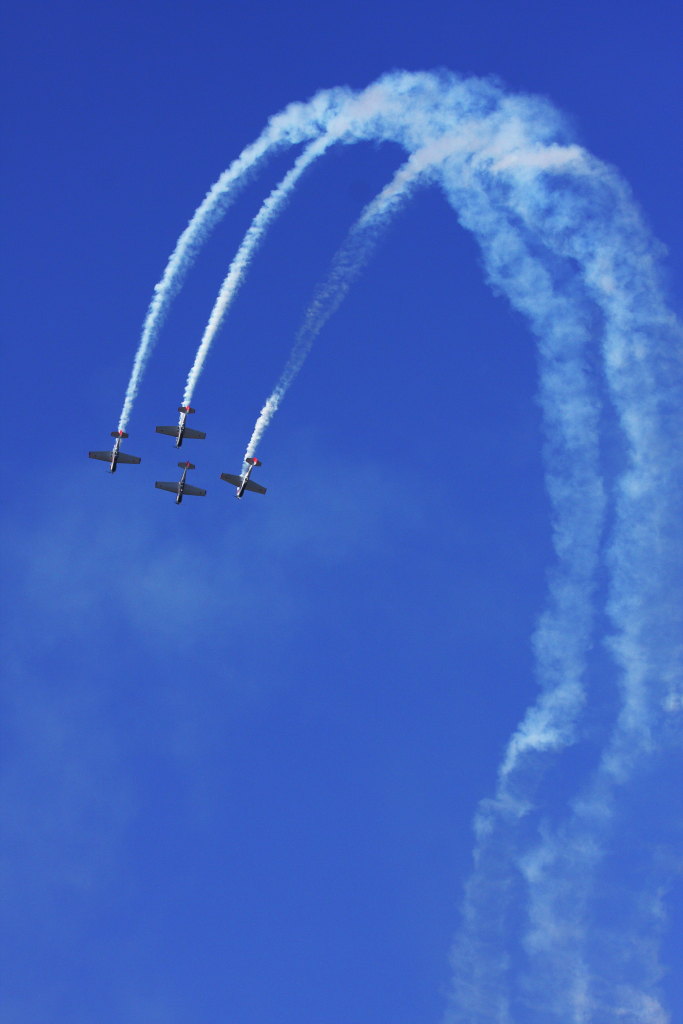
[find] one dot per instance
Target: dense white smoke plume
(546, 937)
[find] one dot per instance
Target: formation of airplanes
(242, 482)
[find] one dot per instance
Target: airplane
(181, 430)
(115, 455)
(243, 483)
(180, 488)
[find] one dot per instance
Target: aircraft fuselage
(242, 482)
(181, 487)
(182, 432)
(242, 487)
(115, 455)
(181, 429)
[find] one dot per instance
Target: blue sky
(244, 744)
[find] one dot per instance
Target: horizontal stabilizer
(253, 461)
(119, 433)
(128, 458)
(166, 485)
(173, 431)
(251, 486)
(199, 492)
(185, 408)
(231, 479)
(186, 465)
(104, 456)
(198, 434)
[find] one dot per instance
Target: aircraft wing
(231, 478)
(104, 456)
(188, 432)
(251, 486)
(167, 485)
(198, 491)
(173, 431)
(128, 458)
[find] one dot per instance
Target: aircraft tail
(119, 433)
(253, 461)
(185, 408)
(188, 465)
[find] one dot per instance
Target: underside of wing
(251, 486)
(104, 456)
(167, 485)
(173, 431)
(231, 478)
(198, 435)
(128, 458)
(199, 492)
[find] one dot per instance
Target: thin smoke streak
(350, 121)
(346, 266)
(341, 112)
(297, 123)
(216, 202)
(253, 238)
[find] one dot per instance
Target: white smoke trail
(642, 349)
(254, 236)
(341, 112)
(297, 123)
(351, 122)
(362, 238)
(598, 229)
(346, 266)
(561, 238)
(571, 414)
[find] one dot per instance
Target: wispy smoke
(346, 265)
(561, 237)
(297, 123)
(546, 936)
(250, 243)
(342, 114)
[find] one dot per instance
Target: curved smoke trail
(561, 237)
(342, 113)
(352, 121)
(346, 265)
(545, 937)
(245, 253)
(297, 123)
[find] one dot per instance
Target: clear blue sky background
(243, 744)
